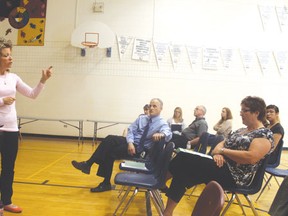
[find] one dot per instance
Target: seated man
(141, 134)
(193, 132)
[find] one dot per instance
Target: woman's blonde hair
(180, 111)
(5, 44)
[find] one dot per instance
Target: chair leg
(148, 203)
(121, 191)
(251, 205)
(129, 201)
(157, 196)
(267, 182)
(194, 188)
(240, 204)
(277, 181)
(122, 200)
(156, 203)
(228, 204)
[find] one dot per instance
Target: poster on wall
(194, 54)
(227, 55)
(264, 59)
(176, 53)
(248, 59)
(23, 21)
(268, 17)
(141, 49)
(211, 58)
(282, 15)
(161, 50)
(281, 59)
(123, 43)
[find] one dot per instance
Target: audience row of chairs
(150, 175)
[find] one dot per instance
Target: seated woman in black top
(272, 115)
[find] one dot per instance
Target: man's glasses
(244, 110)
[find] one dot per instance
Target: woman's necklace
(4, 79)
(272, 125)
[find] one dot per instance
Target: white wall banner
(282, 15)
(281, 59)
(194, 54)
(268, 17)
(248, 59)
(176, 52)
(264, 58)
(160, 50)
(123, 43)
(227, 55)
(211, 58)
(141, 49)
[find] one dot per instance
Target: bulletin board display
(23, 21)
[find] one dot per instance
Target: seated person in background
(192, 133)
(146, 109)
(272, 115)
(142, 133)
(223, 128)
(279, 205)
(145, 112)
(176, 123)
(235, 160)
(224, 125)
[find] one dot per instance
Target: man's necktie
(143, 137)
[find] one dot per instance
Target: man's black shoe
(81, 166)
(101, 188)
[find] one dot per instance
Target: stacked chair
(150, 176)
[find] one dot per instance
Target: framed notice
(141, 49)
(23, 22)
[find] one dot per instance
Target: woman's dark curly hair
(256, 104)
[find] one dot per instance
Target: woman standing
(9, 84)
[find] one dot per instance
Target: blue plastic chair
(274, 162)
(150, 182)
(253, 188)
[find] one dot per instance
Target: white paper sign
(176, 52)
(195, 54)
(141, 49)
(161, 50)
(282, 15)
(268, 17)
(248, 58)
(227, 55)
(123, 43)
(264, 58)
(281, 58)
(211, 58)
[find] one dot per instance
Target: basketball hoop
(91, 40)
